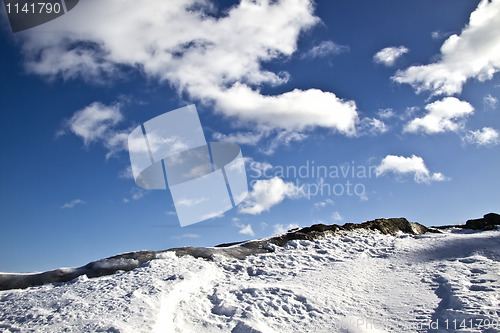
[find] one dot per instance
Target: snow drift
(370, 277)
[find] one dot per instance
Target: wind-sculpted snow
(132, 260)
(345, 281)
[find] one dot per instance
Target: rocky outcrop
(238, 250)
(107, 266)
(487, 222)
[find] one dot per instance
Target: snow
(359, 281)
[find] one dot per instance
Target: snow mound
(132, 260)
(358, 281)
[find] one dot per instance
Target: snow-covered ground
(360, 281)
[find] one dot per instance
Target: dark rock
(107, 266)
(229, 244)
(492, 219)
(487, 222)
(476, 224)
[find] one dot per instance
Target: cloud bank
(215, 58)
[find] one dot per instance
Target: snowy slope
(359, 281)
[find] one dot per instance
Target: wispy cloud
(266, 140)
(136, 193)
(241, 138)
(282, 228)
(490, 102)
(126, 173)
(282, 139)
(323, 204)
(371, 126)
(487, 136)
(96, 123)
(386, 113)
(413, 165)
(337, 217)
(73, 203)
(324, 49)
(440, 35)
(190, 236)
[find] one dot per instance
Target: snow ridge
(350, 281)
(132, 260)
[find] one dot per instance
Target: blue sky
(407, 90)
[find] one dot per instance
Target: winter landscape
(386, 275)
(136, 135)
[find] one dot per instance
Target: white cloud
(269, 140)
(389, 55)
(336, 216)
(126, 173)
(484, 137)
(293, 111)
(475, 53)
(440, 34)
(386, 113)
(371, 126)
(490, 102)
(282, 228)
(96, 123)
(409, 112)
(217, 61)
(135, 194)
(444, 115)
(241, 138)
(324, 49)
(323, 204)
(282, 138)
(73, 203)
(246, 229)
(415, 165)
(267, 193)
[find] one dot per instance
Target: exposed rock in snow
(487, 222)
(346, 281)
(240, 250)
